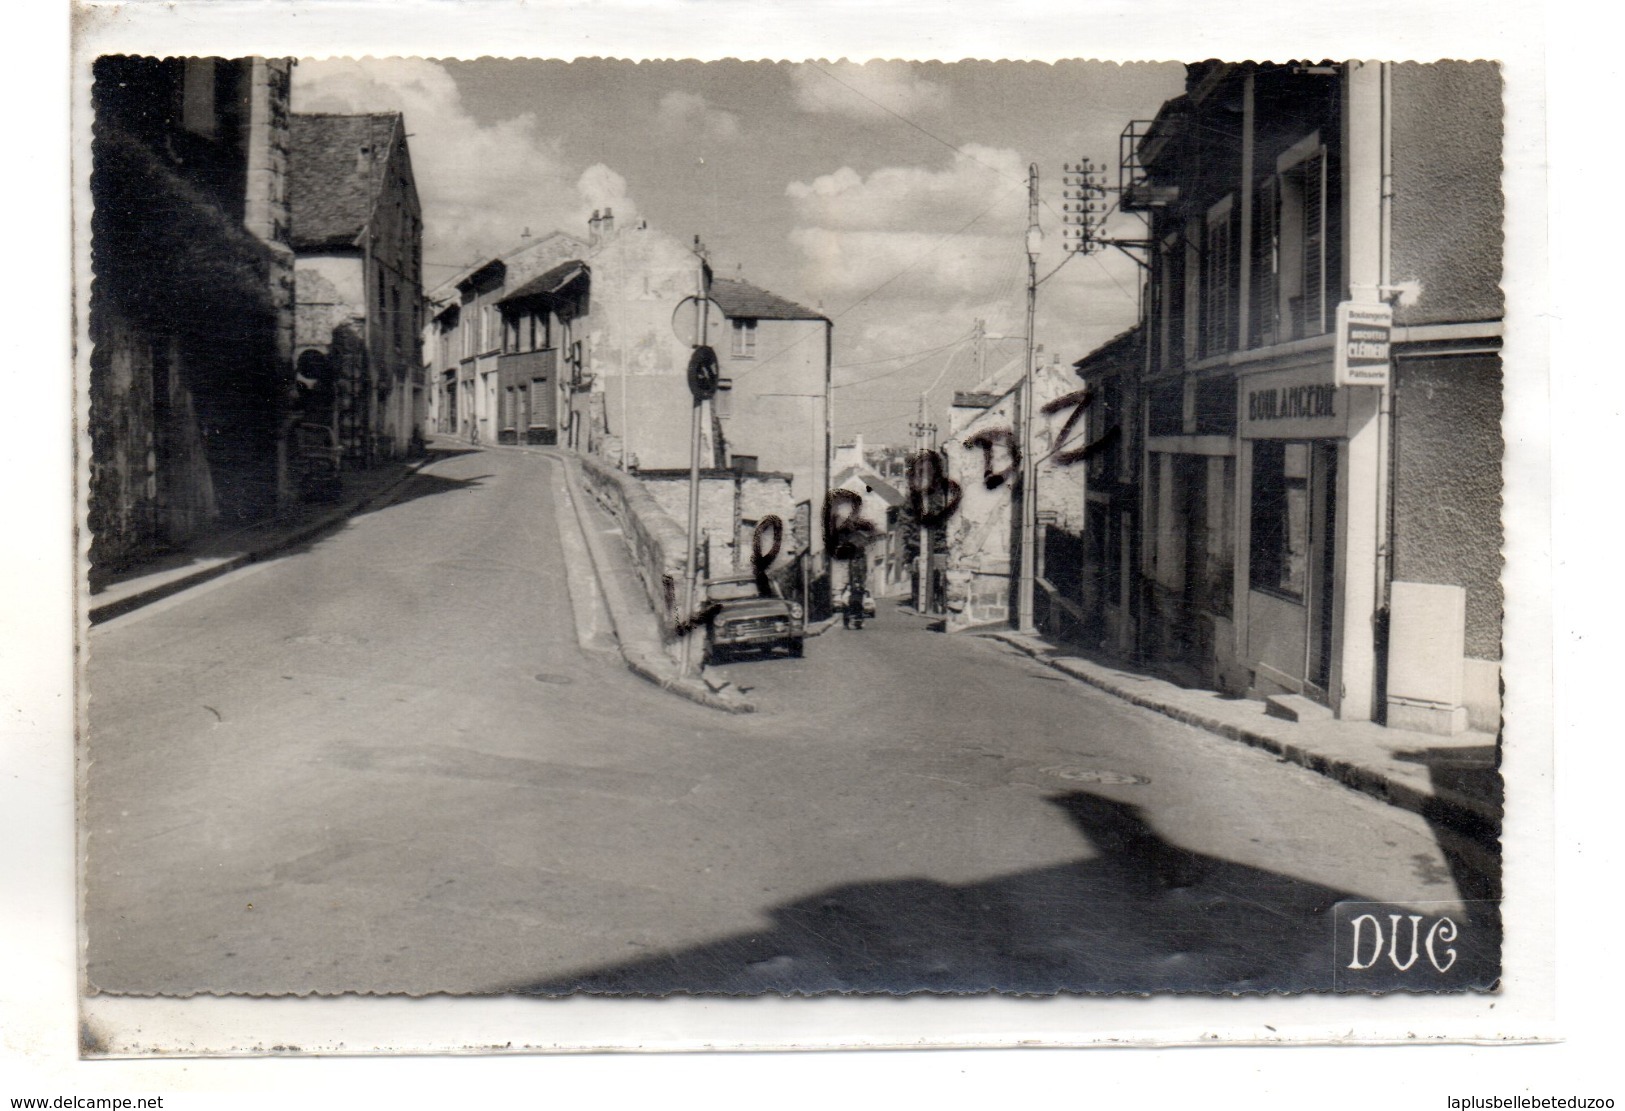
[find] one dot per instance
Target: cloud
(601, 187)
(480, 184)
(909, 257)
(924, 234)
(689, 117)
(910, 196)
(872, 91)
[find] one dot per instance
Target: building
(771, 409)
(1304, 536)
(983, 458)
(191, 310)
(1108, 557)
(586, 344)
(882, 502)
(358, 238)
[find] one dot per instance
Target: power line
(896, 370)
(892, 358)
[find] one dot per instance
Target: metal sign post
(702, 384)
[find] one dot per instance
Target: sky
(892, 196)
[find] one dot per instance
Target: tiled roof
(1119, 347)
(548, 281)
(873, 483)
(335, 165)
(741, 300)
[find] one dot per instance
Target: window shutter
(1176, 303)
(1216, 325)
(1314, 245)
(1266, 306)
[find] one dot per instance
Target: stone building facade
(358, 236)
(191, 313)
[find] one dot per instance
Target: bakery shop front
(1306, 560)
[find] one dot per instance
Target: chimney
(592, 228)
(606, 226)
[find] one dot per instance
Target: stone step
(1296, 707)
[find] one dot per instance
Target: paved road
(387, 763)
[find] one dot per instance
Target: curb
(1460, 813)
(654, 667)
(118, 607)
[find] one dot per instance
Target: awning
(549, 283)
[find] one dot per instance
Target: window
(1171, 302)
(1305, 222)
(1218, 281)
(1264, 318)
(197, 97)
(744, 339)
(540, 410)
(1280, 518)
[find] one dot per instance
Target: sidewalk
(1451, 781)
(636, 628)
(212, 556)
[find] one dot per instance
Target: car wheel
(794, 644)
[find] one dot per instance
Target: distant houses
(585, 343)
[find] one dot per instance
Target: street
(387, 763)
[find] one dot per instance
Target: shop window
(1280, 518)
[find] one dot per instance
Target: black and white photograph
(787, 528)
(913, 555)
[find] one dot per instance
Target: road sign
(1364, 344)
(686, 322)
(703, 374)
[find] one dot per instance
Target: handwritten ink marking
(989, 440)
(932, 495)
(845, 532)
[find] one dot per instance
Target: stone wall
(657, 542)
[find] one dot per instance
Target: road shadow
(1137, 915)
(1470, 841)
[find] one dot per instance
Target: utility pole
(691, 567)
(1029, 465)
(925, 443)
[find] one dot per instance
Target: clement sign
(1364, 336)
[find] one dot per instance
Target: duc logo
(1440, 933)
(1446, 945)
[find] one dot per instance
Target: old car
(748, 613)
